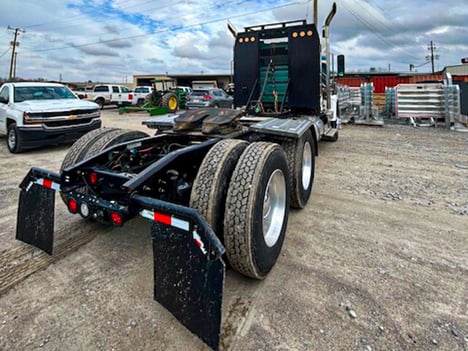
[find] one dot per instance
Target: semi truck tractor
(215, 184)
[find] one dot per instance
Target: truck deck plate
(285, 127)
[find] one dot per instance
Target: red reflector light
(130, 96)
(162, 218)
(93, 178)
(207, 97)
(47, 183)
(116, 218)
(72, 205)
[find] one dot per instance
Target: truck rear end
(216, 185)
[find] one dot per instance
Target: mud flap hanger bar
(188, 269)
(35, 220)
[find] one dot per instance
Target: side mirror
(3, 100)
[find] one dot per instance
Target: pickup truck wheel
(257, 207)
(335, 137)
(79, 149)
(13, 139)
(301, 161)
(211, 183)
(100, 102)
(113, 138)
(140, 102)
(170, 101)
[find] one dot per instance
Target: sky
(112, 40)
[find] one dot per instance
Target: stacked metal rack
(368, 112)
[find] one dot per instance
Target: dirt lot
(378, 260)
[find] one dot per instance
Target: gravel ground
(378, 260)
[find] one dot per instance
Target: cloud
(119, 44)
(112, 29)
(97, 51)
(108, 39)
(221, 40)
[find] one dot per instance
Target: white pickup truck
(109, 94)
(140, 94)
(36, 114)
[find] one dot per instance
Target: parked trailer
(216, 184)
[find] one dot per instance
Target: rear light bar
(207, 97)
(86, 210)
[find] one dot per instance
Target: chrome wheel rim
(274, 207)
(306, 166)
(11, 139)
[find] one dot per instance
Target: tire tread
(238, 239)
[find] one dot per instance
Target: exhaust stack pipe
(326, 38)
(232, 29)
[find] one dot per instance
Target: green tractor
(160, 102)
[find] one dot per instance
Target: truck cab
(277, 68)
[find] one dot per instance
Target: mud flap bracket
(188, 268)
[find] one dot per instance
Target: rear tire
(211, 183)
(101, 103)
(81, 146)
(301, 161)
(257, 207)
(79, 149)
(170, 101)
(113, 138)
(13, 139)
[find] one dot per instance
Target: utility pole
(14, 43)
(431, 47)
(14, 65)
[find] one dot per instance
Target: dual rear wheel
(94, 142)
(244, 191)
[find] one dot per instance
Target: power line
(83, 14)
(374, 31)
(69, 22)
(177, 28)
(4, 52)
(381, 10)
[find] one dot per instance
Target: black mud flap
(188, 269)
(35, 220)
